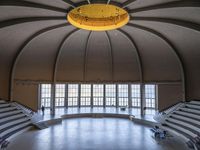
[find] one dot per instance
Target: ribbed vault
(160, 44)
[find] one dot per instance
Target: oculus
(98, 17)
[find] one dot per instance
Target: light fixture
(98, 17)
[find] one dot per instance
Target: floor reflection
(94, 134)
(149, 113)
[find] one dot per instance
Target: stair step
(189, 133)
(17, 132)
(2, 110)
(180, 132)
(195, 102)
(2, 102)
(2, 115)
(194, 111)
(177, 133)
(14, 122)
(190, 120)
(4, 105)
(184, 124)
(4, 120)
(193, 106)
(15, 128)
(189, 115)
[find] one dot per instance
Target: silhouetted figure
(43, 109)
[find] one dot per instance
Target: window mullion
(66, 95)
(117, 95)
(129, 96)
(91, 95)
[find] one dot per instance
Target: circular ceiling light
(98, 17)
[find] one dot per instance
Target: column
(117, 98)
(66, 95)
(53, 95)
(79, 95)
(142, 96)
(129, 96)
(104, 95)
(91, 95)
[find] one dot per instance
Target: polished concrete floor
(149, 113)
(94, 134)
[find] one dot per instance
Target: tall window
(98, 94)
(123, 94)
(150, 96)
(72, 94)
(60, 95)
(135, 95)
(85, 94)
(46, 95)
(110, 95)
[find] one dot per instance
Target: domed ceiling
(160, 43)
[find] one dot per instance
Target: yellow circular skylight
(98, 17)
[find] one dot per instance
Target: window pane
(110, 95)
(123, 94)
(60, 95)
(98, 94)
(45, 95)
(150, 96)
(135, 95)
(72, 94)
(85, 94)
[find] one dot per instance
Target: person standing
(42, 110)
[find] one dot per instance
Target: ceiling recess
(98, 17)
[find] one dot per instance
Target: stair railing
(26, 111)
(160, 117)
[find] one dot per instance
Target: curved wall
(160, 44)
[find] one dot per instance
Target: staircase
(40, 125)
(13, 121)
(184, 121)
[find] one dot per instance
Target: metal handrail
(25, 110)
(181, 104)
(163, 115)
